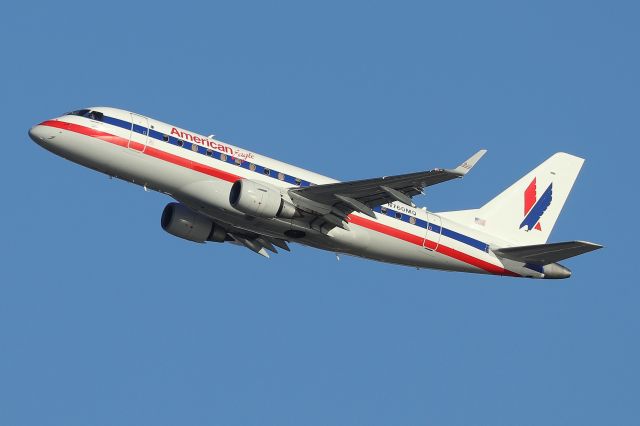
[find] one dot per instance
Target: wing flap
(258, 243)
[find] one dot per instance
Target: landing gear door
(139, 132)
(434, 231)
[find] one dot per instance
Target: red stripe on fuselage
(88, 131)
(385, 229)
(149, 150)
(230, 177)
(440, 248)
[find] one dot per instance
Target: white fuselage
(198, 171)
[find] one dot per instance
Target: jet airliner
(225, 193)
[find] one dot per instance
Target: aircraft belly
(386, 248)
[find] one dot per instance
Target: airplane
(224, 193)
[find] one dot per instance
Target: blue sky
(105, 319)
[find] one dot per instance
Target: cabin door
(434, 231)
(139, 132)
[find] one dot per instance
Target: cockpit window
(80, 112)
(93, 115)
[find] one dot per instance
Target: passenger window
(194, 147)
(165, 138)
(412, 220)
(180, 142)
(223, 157)
(383, 210)
(252, 167)
(281, 176)
(267, 172)
(398, 215)
(238, 161)
(298, 181)
(209, 152)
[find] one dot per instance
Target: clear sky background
(107, 320)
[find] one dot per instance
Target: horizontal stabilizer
(544, 254)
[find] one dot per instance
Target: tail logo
(535, 207)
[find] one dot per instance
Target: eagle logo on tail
(535, 207)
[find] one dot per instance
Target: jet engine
(182, 222)
(257, 199)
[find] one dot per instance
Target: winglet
(464, 168)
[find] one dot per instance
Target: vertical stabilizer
(526, 212)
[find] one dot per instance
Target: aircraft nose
(40, 134)
(35, 133)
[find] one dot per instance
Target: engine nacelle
(260, 200)
(182, 222)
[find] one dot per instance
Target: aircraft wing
(544, 254)
(335, 201)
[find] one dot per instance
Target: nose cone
(43, 135)
(38, 134)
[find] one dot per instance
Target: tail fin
(526, 212)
